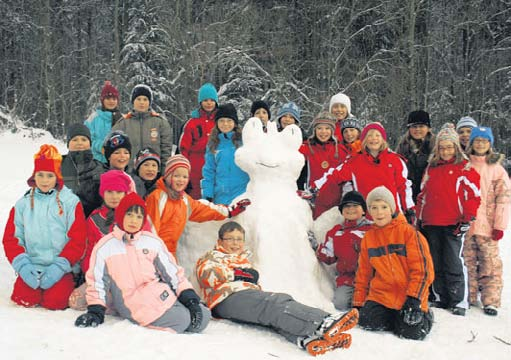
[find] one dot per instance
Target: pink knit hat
(114, 180)
(376, 126)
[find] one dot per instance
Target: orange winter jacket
(394, 263)
(169, 216)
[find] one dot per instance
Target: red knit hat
(376, 126)
(175, 162)
(47, 159)
(109, 91)
(114, 180)
(128, 201)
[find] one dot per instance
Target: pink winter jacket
(493, 213)
(141, 275)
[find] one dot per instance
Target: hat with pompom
(109, 91)
(48, 159)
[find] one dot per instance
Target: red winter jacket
(192, 145)
(342, 244)
(319, 158)
(449, 194)
(366, 173)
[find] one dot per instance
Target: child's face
(381, 213)
(113, 198)
(208, 105)
(418, 131)
(141, 103)
(233, 242)
(481, 146)
(110, 103)
(133, 221)
(79, 143)
(352, 212)
(225, 124)
(340, 111)
(119, 159)
(148, 170)
(374, 141)
(464, 134)
(446, 150)
(179, 179)
(262, 114)
(45, 180)
(286, 120)
(350, 135)
(323, 133)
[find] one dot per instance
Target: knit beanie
(227, 111)
(147, 153)
(47, 159)
(128, 201)
(324, 118)
(292, 109)
(109, 91)
(353, 197)
(116, 140)
(352, 123)
(142, 90)
(175, 162)
(447, 132)
(419, 117)
(114, 180)
(384, 194)
(340, 98)
(466, 121)
(481, 132)
(259, 104)
(77, 129)
(373, 125)
(208, 91)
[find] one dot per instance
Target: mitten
(246, 274)
(461, 228)
(24, 267)
(239, 207)
(191, 300)
(497, 234)
(410, 217)
(94, 316)
(411, 312)
(54, 272)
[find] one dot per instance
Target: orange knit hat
(47, 159)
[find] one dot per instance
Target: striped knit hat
(324, 118)
(448, 132)
(175, 162)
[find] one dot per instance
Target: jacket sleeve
(420, 264)
(403, 185)
(12, 242)
(363, 276)
(186, 139)
(325, 251)
(208, 175)
(420, 197)
(165, 140)
(469, 193)
(337, 175)
(153, 211)
(74, 250)
(211, 274)
(98, 282)
(202, 212)
(97, 142)
(502, 199)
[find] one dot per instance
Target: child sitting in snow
(342, 245)
(394, 272)
(146, 171)
(222, 180)
(170, 208)
(147, 286)
(230, 287)
(45, 236)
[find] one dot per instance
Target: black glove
(461, 228)
(246, 274)
(94, 316)
(191, 300)
(411, 217)
(411, 312)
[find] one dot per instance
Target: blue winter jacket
(100, 125)
(222, 180)
(41, 230)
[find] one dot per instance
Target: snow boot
(319, 345)
(334, 325)
(458, 311)
(490, 310)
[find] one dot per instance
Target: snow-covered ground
(43, 334)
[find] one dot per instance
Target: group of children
(413, 221)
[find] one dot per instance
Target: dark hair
(228, 227)
(135, 209)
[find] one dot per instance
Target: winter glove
(411, 312)
(410, 217)
(312, 239)
(191, 300)
(54, 272)
(239, 207)
(246, 274)
(24, 267)
(461, 228)
(94, 316)
(497, 234)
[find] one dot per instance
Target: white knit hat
(340, 98)
(384, 194)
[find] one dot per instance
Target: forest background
(450, 58)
